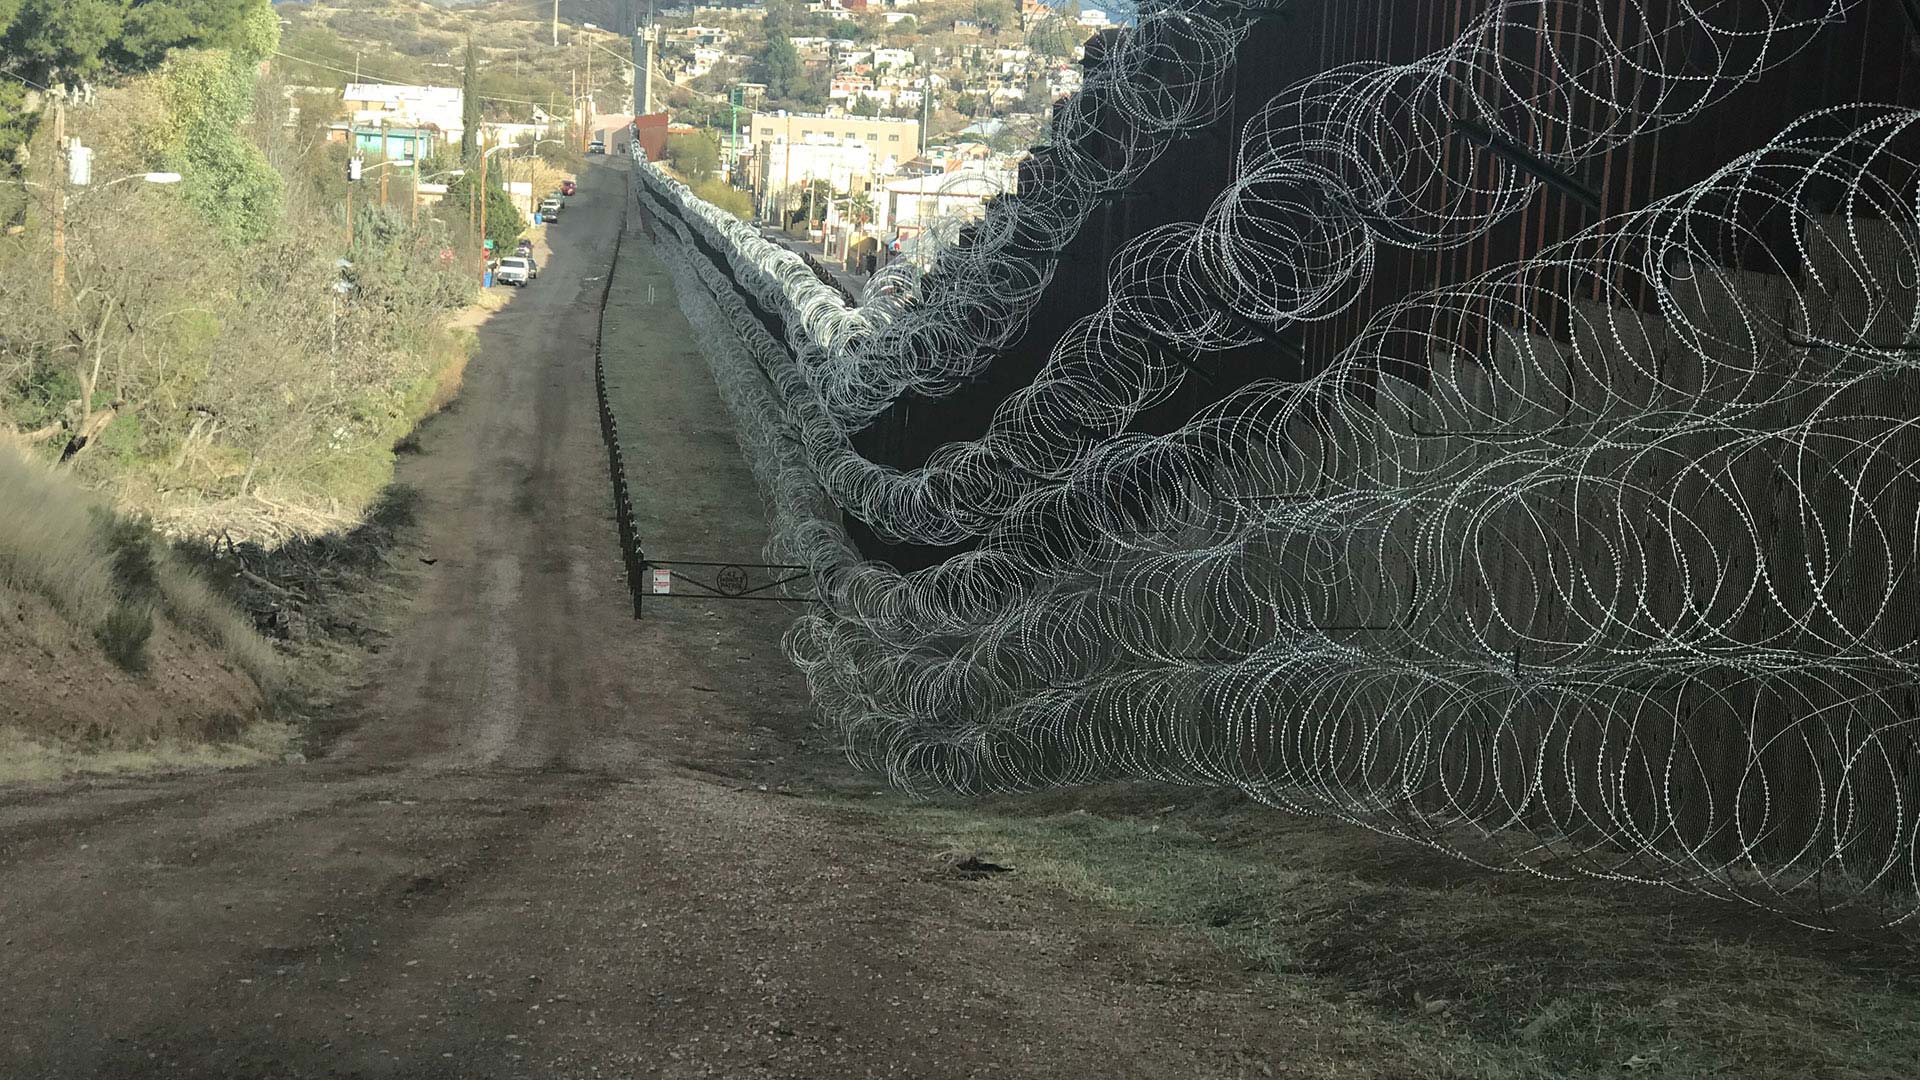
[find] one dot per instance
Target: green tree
(154, 27)
(694, 155)
(470, 108)
(71, 40)
(208, 95)
(780, 67)
(62, 39)
(504, 223)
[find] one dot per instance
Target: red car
(566, 187)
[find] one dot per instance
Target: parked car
(597, 146)
(515, 270)
(524, 248)
(550, 209)
(567, 187)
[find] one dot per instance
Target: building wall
(898, 138)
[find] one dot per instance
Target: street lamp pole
(57, 186)
(59, 194)
(484, 155)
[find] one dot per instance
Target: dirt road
(553, 842)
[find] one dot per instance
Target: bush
(694, 155)
(123, 636)
(726, 197)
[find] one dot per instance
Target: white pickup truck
(514, 270)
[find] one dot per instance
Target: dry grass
(1454, 971)
(459, 345)
(110, 576)
(50, 542)
(24, 759)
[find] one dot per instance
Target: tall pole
(58, 183)
(926, 110)
(483, 211)
(349, 217)
(556, 23)
(414, 212)
(646, 76)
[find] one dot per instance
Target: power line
(24, 79)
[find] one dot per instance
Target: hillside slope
(113, 653)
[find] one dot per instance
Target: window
(766, 131)
(851, 135)
(804, 133)
(893, 138)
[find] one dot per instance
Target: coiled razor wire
(1626, 590)
(1291, 238)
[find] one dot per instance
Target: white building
(785, 169)
(920, 200)
(393, 105)
(704, 60)
(892, 59)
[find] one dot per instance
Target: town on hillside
(854, 126)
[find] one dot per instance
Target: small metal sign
(766, 582)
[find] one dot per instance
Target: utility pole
(556, 23)
(58, 183)
(483, 214)
(652, 35)
(926, 109)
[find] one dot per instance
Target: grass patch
(1463, 972)
(24, 759)
(110, 575)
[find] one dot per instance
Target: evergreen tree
(780, 63)
(470, 109)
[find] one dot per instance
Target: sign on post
(662, 582)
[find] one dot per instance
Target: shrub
(726, 197)
(123, 636)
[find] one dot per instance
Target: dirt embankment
(110, 643)
(57, 684)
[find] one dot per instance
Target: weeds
(1452, 970)
(110, 575)
(123, 636)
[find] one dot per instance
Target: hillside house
(396, 105)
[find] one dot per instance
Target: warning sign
(662, 582)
